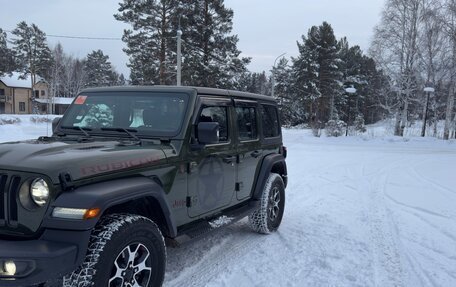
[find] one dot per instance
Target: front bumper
(47, 258)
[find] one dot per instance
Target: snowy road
(358, 213)
(380, 212)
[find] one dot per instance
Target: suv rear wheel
(124, 251)
(268, 216)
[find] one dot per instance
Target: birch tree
(449, 21)
(433, 59)
(395, 48)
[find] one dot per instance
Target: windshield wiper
(82, 129)
(127, 131)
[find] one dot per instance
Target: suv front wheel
(125, 250)
(268, 216)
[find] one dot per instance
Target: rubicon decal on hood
(118, 165)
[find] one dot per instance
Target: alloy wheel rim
(274, 201)
(132, 267)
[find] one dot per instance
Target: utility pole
(179, 56)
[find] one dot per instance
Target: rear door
(212, 170)
(248, 146)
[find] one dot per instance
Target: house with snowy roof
(16, 94)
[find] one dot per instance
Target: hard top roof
(198, 90)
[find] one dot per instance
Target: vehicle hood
(80, 160)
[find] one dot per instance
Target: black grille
(3, 179)
(9, 187)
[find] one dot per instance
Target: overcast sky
(265, 28)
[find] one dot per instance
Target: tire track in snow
(391, 230)
(212, 259)
(202, 263)
(415, 208)
(433, 183)
(387, 260)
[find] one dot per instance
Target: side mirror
(208, 133)
(55, 123)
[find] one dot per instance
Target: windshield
(156, 114)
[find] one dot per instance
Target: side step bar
(208, 226)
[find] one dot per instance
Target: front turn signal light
(92, 213)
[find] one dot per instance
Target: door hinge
(66, 181)
(189, 201)
(238, 186)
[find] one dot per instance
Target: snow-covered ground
(24, 127)
(360, 211)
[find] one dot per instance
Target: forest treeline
(329, 84)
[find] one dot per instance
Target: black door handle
(228, 159)
(256, 153)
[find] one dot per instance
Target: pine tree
(211, 54)
(122, 81)
(151, 42)
(374, 89)
(305, 82)
(292, 114)
(7, 62)
(99, 70)
(255, 83)
(32, 52)
(317, 75)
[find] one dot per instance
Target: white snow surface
(25, 128)
(360, 211)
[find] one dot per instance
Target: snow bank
(22, 127)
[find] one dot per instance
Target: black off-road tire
(113, 235)
(268, 216)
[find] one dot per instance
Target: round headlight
(39, 191)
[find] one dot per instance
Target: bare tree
(433, 48)
(395, 48)
(449, 21)
(56, 74)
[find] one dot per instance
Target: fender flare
(266, 167)
(107, 194)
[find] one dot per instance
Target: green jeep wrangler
(130, 170)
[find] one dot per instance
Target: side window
(270, 121)
(247, 123)
(219, 115)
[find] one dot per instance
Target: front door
(212, 169)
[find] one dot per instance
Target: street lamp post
(273, 74)
(350, 91)
(179, 56)
(428, 91)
